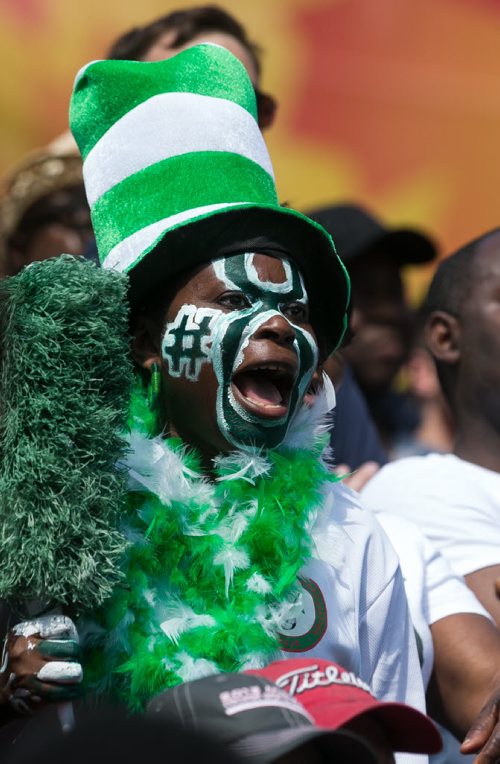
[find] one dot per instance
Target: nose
(277, 329)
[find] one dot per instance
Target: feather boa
(212, 567)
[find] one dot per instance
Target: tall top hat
(177, 173)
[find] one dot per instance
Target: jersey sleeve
(452, 506)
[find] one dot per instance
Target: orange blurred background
(393, 103)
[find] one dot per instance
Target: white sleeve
(450, 500)
(447, 592)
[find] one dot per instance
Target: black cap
(356, 232)
(254, 718)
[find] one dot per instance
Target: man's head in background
(462, 332)
(43, 210)
(164, 37)
(381, 319)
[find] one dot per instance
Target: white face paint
(187, 341)
(199, 335)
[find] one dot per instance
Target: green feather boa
(212, 567)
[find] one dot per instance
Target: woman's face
(237, 353)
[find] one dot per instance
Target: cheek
(186, 342)
(189, 401)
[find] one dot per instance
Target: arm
(466, 679)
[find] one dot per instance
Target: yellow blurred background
(392, 103)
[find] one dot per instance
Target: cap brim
(407, 729)
(338, 744)
(281, 231)
(404, 246)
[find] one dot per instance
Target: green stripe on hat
(104, 91)
(172, 186)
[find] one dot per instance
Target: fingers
(47, 627)
(51, 692)
(42, 663)
(485, 731)
(65, 649)
(61, 672)
(361, 476)
(490, 754)
(342, 470)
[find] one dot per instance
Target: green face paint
(200, 335)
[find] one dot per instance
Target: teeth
(269, 367)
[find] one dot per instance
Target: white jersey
(434, 591)
(354, 605)
(455, 503)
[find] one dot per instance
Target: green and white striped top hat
(177, 172)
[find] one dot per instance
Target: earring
(154, 387)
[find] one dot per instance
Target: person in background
(165, 36)
(43, 210)
(455, 497)
(434, 431)
(382, 321)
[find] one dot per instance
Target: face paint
(187, 340)
(200, 335)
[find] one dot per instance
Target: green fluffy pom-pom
(65, 380)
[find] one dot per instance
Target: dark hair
(187, 24)
(452, 281)
(66, 206)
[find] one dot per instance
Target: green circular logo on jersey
(298, 635)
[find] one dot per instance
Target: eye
(296, 311)
(234, 300)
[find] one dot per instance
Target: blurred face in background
(381, 323)
(56, 224)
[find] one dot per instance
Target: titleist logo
(301, 680)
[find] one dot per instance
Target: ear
(146, 344)
(442, 337)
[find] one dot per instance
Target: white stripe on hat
(169, 125)
(126, 252)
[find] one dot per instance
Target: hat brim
(404, 246)
(249, 227)
(407, 729)
(338, 744)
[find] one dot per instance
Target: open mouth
(265, 389)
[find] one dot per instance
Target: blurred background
(391, 103)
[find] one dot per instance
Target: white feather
(231, 559)
(311, 421)
(181, 618)
(257, 583)
(194, 668)
(249, 464)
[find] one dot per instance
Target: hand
(484, 734)
(40, 662)
(357, 479)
